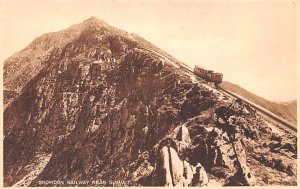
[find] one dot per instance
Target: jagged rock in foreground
(98, 107)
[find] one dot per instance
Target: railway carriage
(208, 75)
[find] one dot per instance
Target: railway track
(265, 113)
(179, 64)
(280, 122)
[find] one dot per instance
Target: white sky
(252, 43)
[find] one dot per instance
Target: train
(208, 75)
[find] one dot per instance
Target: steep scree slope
(102, 109)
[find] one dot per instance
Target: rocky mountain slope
(94, 107)
(287, 110)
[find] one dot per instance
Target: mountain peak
(94, 20)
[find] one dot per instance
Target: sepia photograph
(137, 93)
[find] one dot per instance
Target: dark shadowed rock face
(99, 107)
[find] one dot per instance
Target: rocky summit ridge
(93, 103)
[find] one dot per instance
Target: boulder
(200, 177)
(242, 177)
(144, 170)
(183, 134)
(179, 172)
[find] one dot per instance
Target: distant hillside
(286, 110)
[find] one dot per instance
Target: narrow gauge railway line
(266, 114)
(179, 64)
(283, 124)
